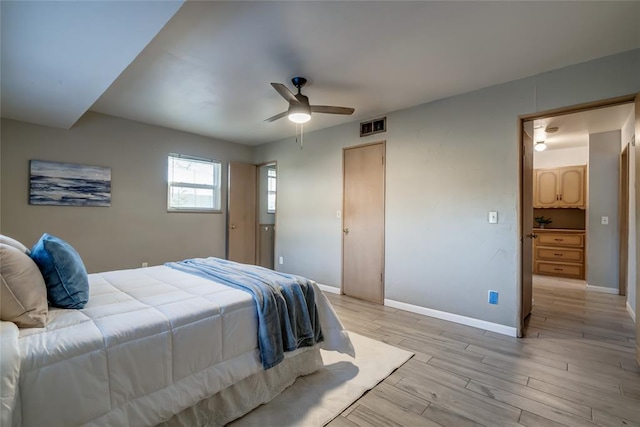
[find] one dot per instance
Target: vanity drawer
(557, 269)
(561, 239)
(560, 254)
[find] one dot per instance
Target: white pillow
(6, 240)
(23, 294)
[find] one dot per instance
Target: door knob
(533, 236)
(233, 226)
(345, 231)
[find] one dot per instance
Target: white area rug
(316, 399)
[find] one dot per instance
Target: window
(271, 191)
(194, 184)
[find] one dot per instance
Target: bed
(152, 346)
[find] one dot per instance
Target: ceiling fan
(299, 109)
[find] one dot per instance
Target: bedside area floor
(574, 366)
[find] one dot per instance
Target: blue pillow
(63, 271)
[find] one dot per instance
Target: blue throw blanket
(287, 315)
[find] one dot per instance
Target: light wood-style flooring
(575, 366)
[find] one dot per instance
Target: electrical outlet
(145, 264)
(493, 297)
(281, 260)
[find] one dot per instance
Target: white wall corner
(631, 312)
(456, 318)
(329, 289)
(603, 289)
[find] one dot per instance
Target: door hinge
(383, 160)
(382, 277)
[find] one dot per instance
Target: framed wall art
(69, 184)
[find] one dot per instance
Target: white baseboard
(330, 289)
(631, 312)
(456, 318)
(603, 289)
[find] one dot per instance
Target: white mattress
(150, 343)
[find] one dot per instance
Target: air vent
(372, 127)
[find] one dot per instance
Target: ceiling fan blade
(276, 117)
(284, 92)
(328, 109)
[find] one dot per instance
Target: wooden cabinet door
(571, 187)
(560, 188)
(545, 188)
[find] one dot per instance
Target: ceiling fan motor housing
(299, 82)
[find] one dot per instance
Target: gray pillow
(23, 294)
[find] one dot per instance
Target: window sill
(213, 211)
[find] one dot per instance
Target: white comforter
(150, 343)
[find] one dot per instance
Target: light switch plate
(493, 217)
(338, 214)
(604, 220)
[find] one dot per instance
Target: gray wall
(603, 240)
(136, 227)
(449, 162)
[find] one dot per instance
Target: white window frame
(217, 189)
(274, 192)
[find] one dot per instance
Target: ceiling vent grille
(373, 126)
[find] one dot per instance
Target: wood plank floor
(574, 367)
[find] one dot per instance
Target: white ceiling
(574, 129)
(58, 57)
(208, 69)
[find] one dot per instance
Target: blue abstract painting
(68, 184)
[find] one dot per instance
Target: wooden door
(623, 258)
(527, 223)
(241, 213)
(637, 191)
(571, 187)
(546, 187)
(363, 222)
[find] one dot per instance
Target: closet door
(363, 223)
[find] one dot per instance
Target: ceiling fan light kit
(299, 113)
(299, 109)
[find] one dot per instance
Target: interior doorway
(363, 222)
(251, 213)
(527, 180)
(266, 215)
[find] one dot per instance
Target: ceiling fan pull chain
(301, 135)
